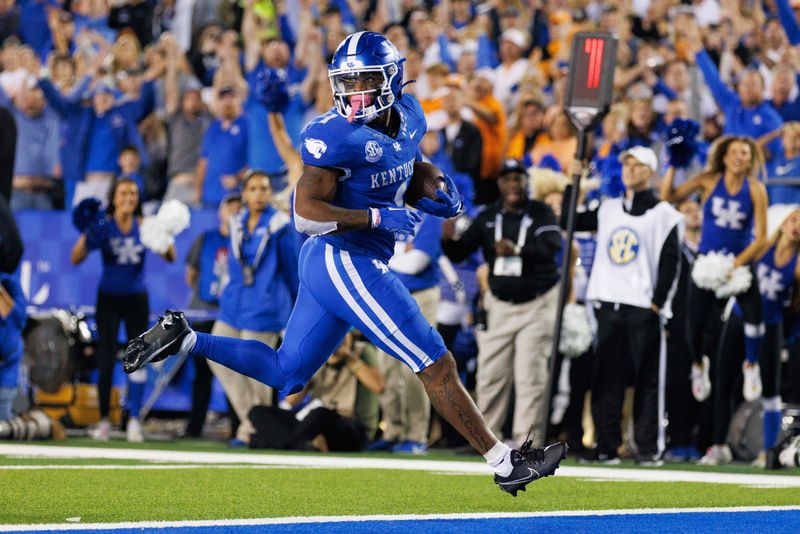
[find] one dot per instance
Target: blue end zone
(777, 522)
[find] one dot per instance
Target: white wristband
(374, 217)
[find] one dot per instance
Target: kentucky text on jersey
(401, 173)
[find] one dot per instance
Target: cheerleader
(734, 233)
(121, 295)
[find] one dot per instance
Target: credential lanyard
(526, 223)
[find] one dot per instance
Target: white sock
(499, 459)
(188, 342)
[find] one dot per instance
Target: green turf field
(109, 490)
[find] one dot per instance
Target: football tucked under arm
(313, 212)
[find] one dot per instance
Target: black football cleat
(162, 340)
(531, 465)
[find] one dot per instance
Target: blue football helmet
(366, 76)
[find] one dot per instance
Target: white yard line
(370, 518)
(337, 462)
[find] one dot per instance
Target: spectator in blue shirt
(36, 158)
(130, 166)
(99, 132)
(746, 112)
(784, 83)
(223, 158)
(405, 405)
(262, 288)
(783, 167)
(12, 321)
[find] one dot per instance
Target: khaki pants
(404, 403)
(515, 349)
(243, 392)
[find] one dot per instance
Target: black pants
(769, 360)
(726, 375)
(682, 409)
(201, 387)
(134, 311)
(279, 429)
(628, 343)
(703, 309)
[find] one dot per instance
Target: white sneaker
(760, 461)
(717, 455)
(135, 434)
(790, 455)
(102, 431)
(701, 381)
(752, 381)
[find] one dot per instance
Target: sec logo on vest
(623, 246)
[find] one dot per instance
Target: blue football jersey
(377, 168)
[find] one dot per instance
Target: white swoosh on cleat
(523, 479)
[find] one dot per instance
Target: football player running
(358, 159)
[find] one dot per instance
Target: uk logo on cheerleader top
(623, 246)
(769, 282)
(727, 217)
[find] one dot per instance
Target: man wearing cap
(512, 69)
(520, 239)
(632, 282)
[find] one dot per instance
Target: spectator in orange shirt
(491, 121)
(527, 125)
(559, 141)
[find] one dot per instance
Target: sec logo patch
(623, 246)
(373, 151)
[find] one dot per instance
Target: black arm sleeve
(460, 249)
(10, 240)
(667, 267)
(584, 222)
(546, 238)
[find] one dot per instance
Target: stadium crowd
(203, 101)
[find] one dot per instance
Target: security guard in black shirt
(521, 241)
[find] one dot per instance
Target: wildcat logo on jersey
(315, 147)
(623, 246)
(731, 217)
(769, 282)
(373, 151)
(127, 250)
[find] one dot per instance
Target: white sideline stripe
(339, 462)
(139, 466)
(333, 273)
(370, 518)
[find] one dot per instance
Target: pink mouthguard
(358, 102)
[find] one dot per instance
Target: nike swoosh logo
(523, 479)
(412, 134)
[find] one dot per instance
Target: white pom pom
(576, 334)
(154, 236)
(738, 282)
(711, 270)
(174, 216)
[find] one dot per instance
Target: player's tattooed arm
(312, 204)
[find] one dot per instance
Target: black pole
(580, 155)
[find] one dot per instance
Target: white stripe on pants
(404, 402)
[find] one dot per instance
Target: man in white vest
(631, 286)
